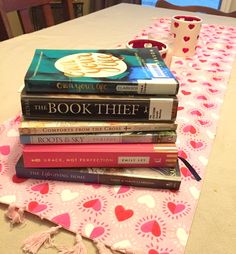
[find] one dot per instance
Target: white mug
(185, 32)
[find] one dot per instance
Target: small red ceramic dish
(147, 43)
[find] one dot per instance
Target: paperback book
(100, 71)
(165, 178)
(100, 155)
(86, 107)
(31, 127)
(102, 138)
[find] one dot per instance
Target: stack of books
(100, 116)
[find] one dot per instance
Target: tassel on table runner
(78, 248)
(102, 249)
(127, 250)
(34, 242)
(14, 214)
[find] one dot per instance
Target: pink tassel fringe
(127, 250)
(15, 215)
(78, 248)
(34, 242)
(102, 249)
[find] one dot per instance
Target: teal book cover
(104, 71)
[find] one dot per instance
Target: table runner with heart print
(153, 221)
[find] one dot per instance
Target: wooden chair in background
(201, 9)
(23, 9)
(101, 4)
(69, 9)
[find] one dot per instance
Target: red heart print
(63, 220)
(43, 188)
(180, 108)
(186, 38)
(176, 24)
(196, 113)
(189, 128)
(208, 105)
(175, 208)
(123, 189)
(217, 79)
(122, 213)
(213, 90)
(4, 150)
(196, 144)
(94, 185)
(192, 80)
(95, 204)
(36, 207)
(207, 84)
(96, 232)
(185, 50)
(16, 179)
(202, 122)
(215, 64)
(151, 227)
(191, 26)
(179, 62)
(185, 92)
(152, 251)
(182, 154)
(202, 97)
(185, 172)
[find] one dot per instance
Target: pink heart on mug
(176, 24)
(186, 38)
(185, 50)
(191, 26)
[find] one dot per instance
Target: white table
(214, 226)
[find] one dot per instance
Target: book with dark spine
(100, 155)
(98, 107)
(165, 178)
(102, 138)
(100, 71)
(31, 127)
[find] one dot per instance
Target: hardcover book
(100, 155)
(121, 137)
(98, 107)
(29, 127)
(165, 178)
(104, 71)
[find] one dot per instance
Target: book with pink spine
(100, 155)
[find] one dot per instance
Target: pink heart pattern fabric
(141, 219)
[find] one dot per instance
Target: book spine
(165, 87)
(142, 137)
(151, 109)
(97, 129)
(54, 156)
(74, 175)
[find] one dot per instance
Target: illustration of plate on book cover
(90, 65)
